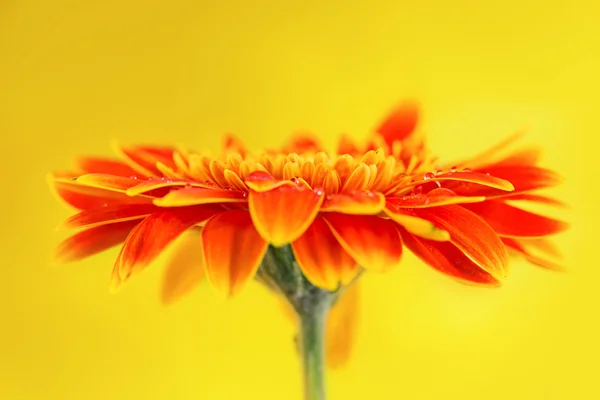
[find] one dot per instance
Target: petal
(401, 123)
(488, 180)
(518, 247)
(373, 242)
(184, 269)
(536, 198)
(93, 241)
(436, 197)
(322, 259)
(492, 153)
(194, 196)
(154, 184)
(153, 235)
(107, 181)
(507, 220)
(143, 159)
(447, 258)
(415, 225)
(341, 326)
(110, 214)
(354, 203)
(85, 197)
(472, 235)
(261, 181)
(233, 250)
(283, 214)
(98, 165)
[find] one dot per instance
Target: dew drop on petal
(467, 170)
(439, 172)
(453, 169)
(428, 175)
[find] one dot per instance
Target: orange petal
(143, 159)
(511, 221)
(373, 242)
(401, 123)
(472, 235)
(108, 182)
(110, 215)
(261, 181)
(415, 225)
(535, 198)
(341, 327)
(154, 184)
(194, 196)
(354, 203)
(93, 241)
(283, 214)
(469, 177)
(184, 269)
(518, 247)
(436, 197)
(98, 165)
(162, 227)
(448, 259)
(85, 197)
(323, 261)
(233, 250)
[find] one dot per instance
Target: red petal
(93, 241)
(84, 197)
(507, 220)
(194, 196)
(354, 203)
(323, 261)
(153, 235)
(472, 235)
(110, 215)
(373, 242)
(98, 165)
(437, 197)
(282, 215)
(401, 123)
(447, 258)
(233, 250)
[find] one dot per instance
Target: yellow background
(75, 74)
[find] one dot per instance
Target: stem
(312, 346)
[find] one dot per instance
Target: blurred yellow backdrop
(75, 74)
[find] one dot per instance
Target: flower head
(339, 212)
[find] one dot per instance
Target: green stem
(312, 346)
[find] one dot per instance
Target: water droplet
(428, 175)
(467, 170)
(487, 173)
(319, 192)
(453, 169)
(439, 172)
(295, 181)
(133, 177)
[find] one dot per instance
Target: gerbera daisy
(307, 222)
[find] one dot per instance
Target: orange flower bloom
(340, 212)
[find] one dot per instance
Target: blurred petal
(110, 215)
(98, 165)
(401, 123)
(93, 241)
(153, 184)
(322, 259)
(233, 250)
(536, 198)
(162, 227)
(507, 220)
(447, 258)
(373, 242)
(184, 269)
(354, 203)
(436, 197)
(283, 214)
(469, 177)
(472, 235)
(194, 196)
(108, 182)
(341, 327)
(518, 246)
(143, 159)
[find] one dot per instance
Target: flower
(341, 213)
